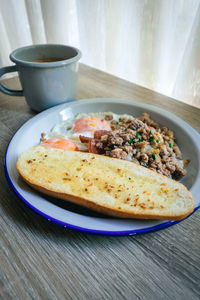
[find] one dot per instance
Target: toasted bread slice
(107, 185)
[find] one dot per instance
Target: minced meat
(142, 140)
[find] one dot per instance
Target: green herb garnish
(117, 123)
(157, 141)
(170, 145)
(125, 130)
(130, 141)
(140, 140)
(151, 139)
(138, 134)
(153, 156)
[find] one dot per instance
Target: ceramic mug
(48, 74)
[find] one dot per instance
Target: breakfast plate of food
(107, 166)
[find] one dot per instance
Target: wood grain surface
(41, 260)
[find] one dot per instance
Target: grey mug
(48, 74)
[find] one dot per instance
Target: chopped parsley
(131, 141)
(157, 141)
(117, 123)
(151, 139)
(140, 140)
(153, 156)
(138, 134)
(170, 145)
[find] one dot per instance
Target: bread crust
(105, 208)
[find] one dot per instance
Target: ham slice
(84, 139)
(99, 133)
(92, 146)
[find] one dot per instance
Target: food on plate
(107, 185)
(107, 162)
(60, 144)
(81, 124)
(87, 124)
(140, 140)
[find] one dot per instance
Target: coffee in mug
(48, 74)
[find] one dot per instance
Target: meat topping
(142, 141)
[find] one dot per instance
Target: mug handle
(3, 89)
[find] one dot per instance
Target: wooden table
(41, 260)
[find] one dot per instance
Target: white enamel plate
(75, 217)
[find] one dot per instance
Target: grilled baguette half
(107, 185)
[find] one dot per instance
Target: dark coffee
(46, 60)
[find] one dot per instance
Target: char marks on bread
(107, 185)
